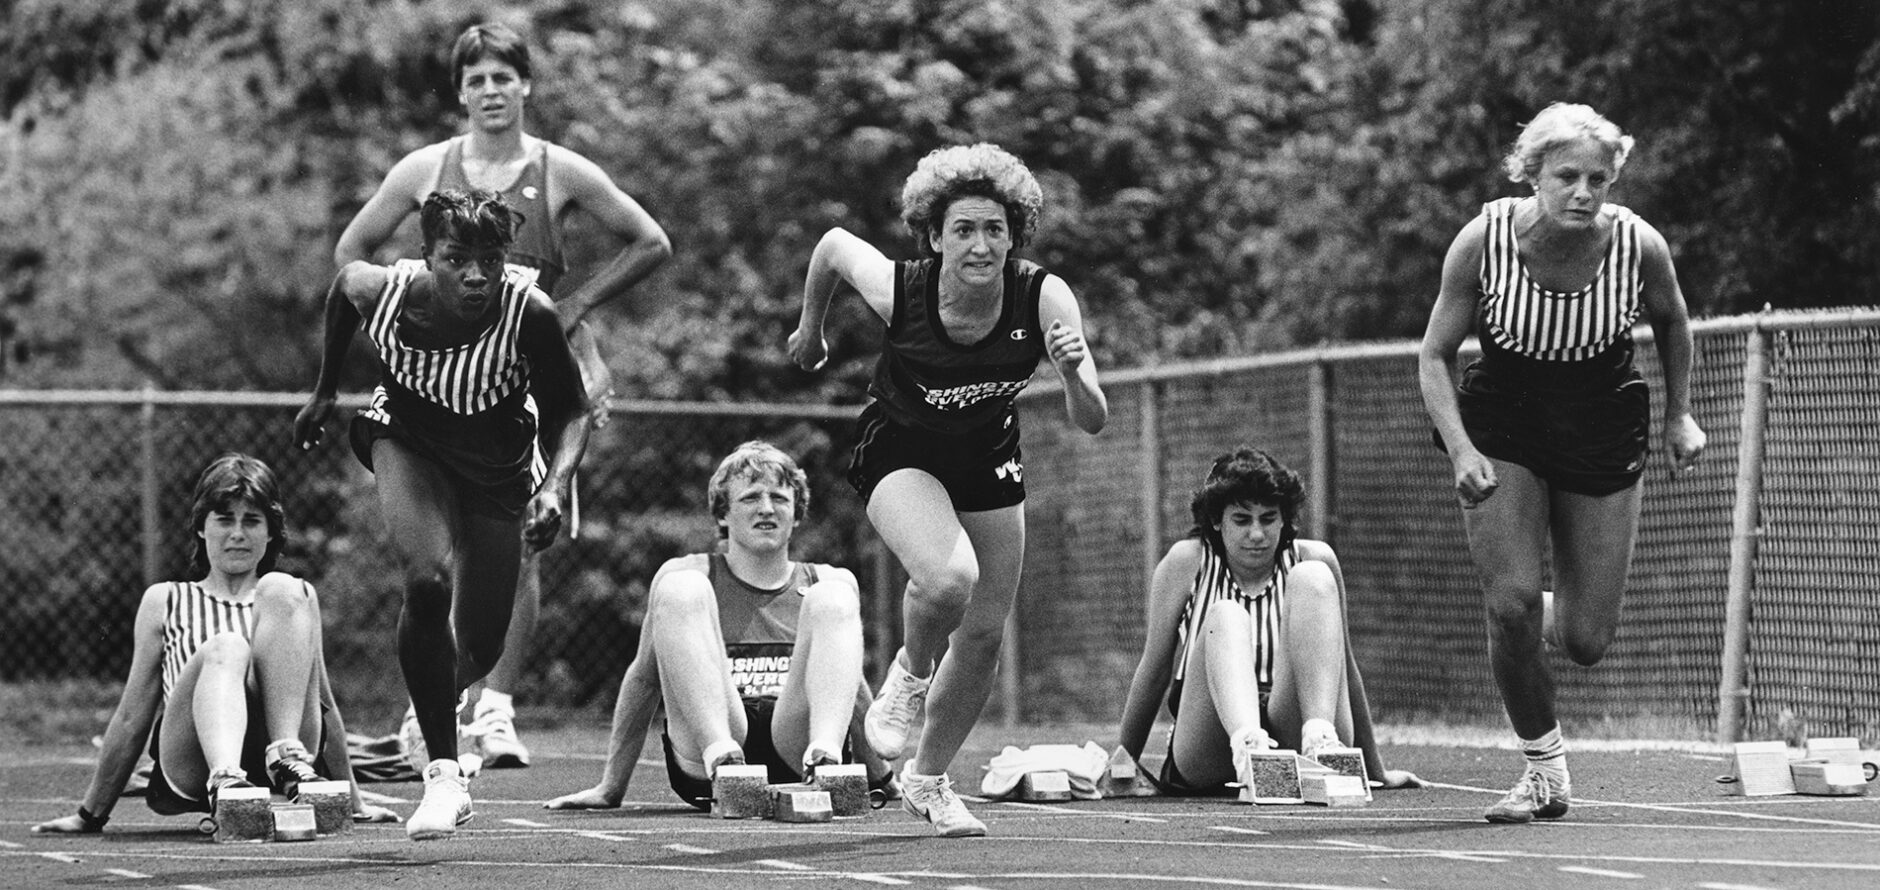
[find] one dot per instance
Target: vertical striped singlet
(466, 379)
(1524, 318)
(1214, 582)
(191, 617)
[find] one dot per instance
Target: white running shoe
(1534, 797)
(1243, 745)
(891, 716)
(932, 798)
(496, 730)
(1316, 736)
(446, 803)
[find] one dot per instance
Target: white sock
(491, 700)
(1547, 755)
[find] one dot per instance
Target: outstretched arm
(839, 258)
(1064, 342)
(1449, 324)
(634, 709)
(129, 729)
(646, 247)
(1671, 330)
(1168, 592)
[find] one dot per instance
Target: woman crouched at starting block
(1246, 638)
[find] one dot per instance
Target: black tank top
(925, 379)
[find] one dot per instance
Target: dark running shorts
(503, 499)
(758, 748)
(981, 470)
(1592, 443)
(165, 800)
(1171, 781)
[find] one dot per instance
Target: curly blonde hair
(1557, 125)
(756, 459)
(984, 170)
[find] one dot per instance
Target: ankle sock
(1547, 755)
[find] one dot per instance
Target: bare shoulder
(415, 174)
(1315, 550)
(698, 563)
(1184, 554)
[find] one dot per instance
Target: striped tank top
(1521, 317)
(1213, 583)
(464, 379)
(190, 618)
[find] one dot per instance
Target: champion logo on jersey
(1019, 334)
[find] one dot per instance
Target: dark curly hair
(229, 478)
(984, 170)
(1247, 476)
(477, 217)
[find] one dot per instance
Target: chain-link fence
(94, 489)
(1351, 420)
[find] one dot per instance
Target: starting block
(1347, 762)
(1828, 779)
(241, 814)
(1759, 769)
(847, 786)
(1045, 786)
(294, 822)
(799, 802)
(1331, 789)
(1272, 777)
(332, 805)
(1123, 778)
(741, 791)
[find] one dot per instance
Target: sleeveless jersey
(1520, 317)
(537, 250)
(925, 379)
(469, 403)
(1213, 583)
(190, 617)
(759, 626)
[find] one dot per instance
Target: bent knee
(682, 595)
(1311, 580)
(831, 601)
(950, 586)
(1586, 647)
(227, 647)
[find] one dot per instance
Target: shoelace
(902, 707)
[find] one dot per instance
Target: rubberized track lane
(1641, 819)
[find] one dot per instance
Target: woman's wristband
(91, 822)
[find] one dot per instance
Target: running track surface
(1642, 818)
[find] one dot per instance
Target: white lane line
(606, 836)
(194, 887)
(1071, 811)
(783, 864)
(1237, 830)
(688, 848)
(66, 858)
(126, 873)
(1690, 809)
(527, 823)
(1717, 886)
(1602, 872)
(881, 879)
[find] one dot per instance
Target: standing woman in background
(938, 460)
(1548, 431)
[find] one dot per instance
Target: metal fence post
(1319, 436)
(1745, 532)
(153, 537)
(1149, 490)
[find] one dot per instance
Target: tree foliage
(1222, 176)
